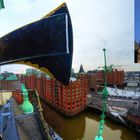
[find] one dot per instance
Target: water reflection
(84, 126)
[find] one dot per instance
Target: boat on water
(46, 44)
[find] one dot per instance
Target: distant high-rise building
(37, 73)
(72, 70)
(31, 71)
(72, 73)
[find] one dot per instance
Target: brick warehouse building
(91, 82)
(94, 78)
(90, 78)
(69, 100)
(115, 77)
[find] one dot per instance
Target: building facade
(116, 77)
(69, 100)
(91, 82)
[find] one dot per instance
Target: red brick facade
(69, 100)
(92, 82)
(115, 77)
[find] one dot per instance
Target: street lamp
(104, 100)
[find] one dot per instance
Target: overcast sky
(97, 24)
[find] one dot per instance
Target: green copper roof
(12, 77)
(26, 107)
(1, 77)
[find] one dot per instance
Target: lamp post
(104, 101)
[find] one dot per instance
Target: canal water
(84, 126)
